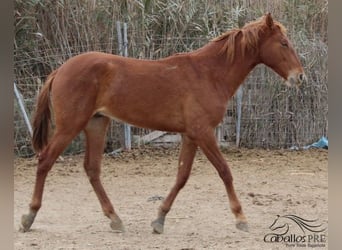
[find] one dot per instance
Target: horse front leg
(207, 142)
(186, 157)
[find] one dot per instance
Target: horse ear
(269, 20)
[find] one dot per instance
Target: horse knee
(93, 174)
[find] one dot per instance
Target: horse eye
(284, 43)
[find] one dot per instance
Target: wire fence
(273, 116)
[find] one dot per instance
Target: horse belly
(155, 118)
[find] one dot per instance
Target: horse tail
(42, 116)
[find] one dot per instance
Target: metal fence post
(22, 109)
(118, 29)
(123, 50)
(127, 127)
(238, 111)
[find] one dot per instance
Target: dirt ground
(268, 183)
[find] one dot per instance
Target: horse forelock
(251, 34)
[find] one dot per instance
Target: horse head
(277, 52)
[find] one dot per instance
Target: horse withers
(185, 93)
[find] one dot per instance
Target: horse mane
(251, 33)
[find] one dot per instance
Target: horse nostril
(301, 77)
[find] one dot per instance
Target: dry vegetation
(49, 32)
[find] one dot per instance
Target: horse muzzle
(296, 79)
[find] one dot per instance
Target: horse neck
(225, 74)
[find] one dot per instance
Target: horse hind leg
(186, 157)
(95, 132)
(46, 159)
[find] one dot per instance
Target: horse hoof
(158, 227)
(242, 225)
(26, 222)
(117, 226)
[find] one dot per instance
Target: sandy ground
(268, 183)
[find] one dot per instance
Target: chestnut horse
(185, 93)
